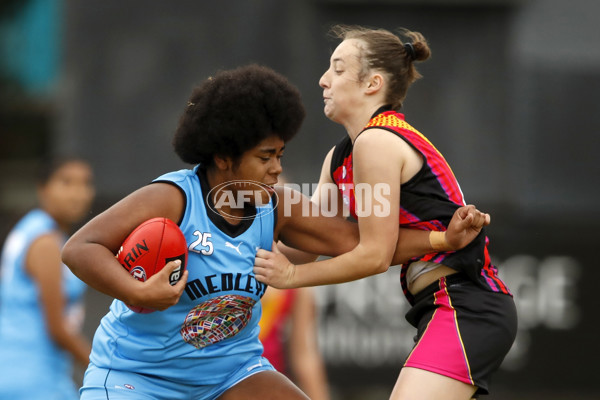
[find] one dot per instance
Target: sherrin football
(149, 248)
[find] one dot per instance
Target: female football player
(465, 315)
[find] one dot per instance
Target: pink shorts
(464, 331)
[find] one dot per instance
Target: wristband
(438, 241)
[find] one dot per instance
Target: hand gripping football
(149, 248)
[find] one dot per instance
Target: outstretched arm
(378, 231)
(465, 225)
(317, 225)
(378, 243)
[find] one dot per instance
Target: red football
(149, 248)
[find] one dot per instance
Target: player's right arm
(90, 252)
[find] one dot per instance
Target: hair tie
(410, 50)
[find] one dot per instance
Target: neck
(63, 226)
(356, 125)
(215, 178)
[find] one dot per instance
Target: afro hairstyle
(233, 111)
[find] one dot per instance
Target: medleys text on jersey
(224, 282)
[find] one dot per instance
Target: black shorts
(464, 331)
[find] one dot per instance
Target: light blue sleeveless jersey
(213, 328)
(31, 364)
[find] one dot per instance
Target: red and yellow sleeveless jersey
(428, 200)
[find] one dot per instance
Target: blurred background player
(288, 332)
(41, 308)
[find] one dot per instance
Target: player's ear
(223, 163)
(374, 84)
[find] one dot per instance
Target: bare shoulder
(154, 200)
(43, 255)
(110, 227)
(49, 241)
(382, 147)
(379, 145)
(378, 138)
